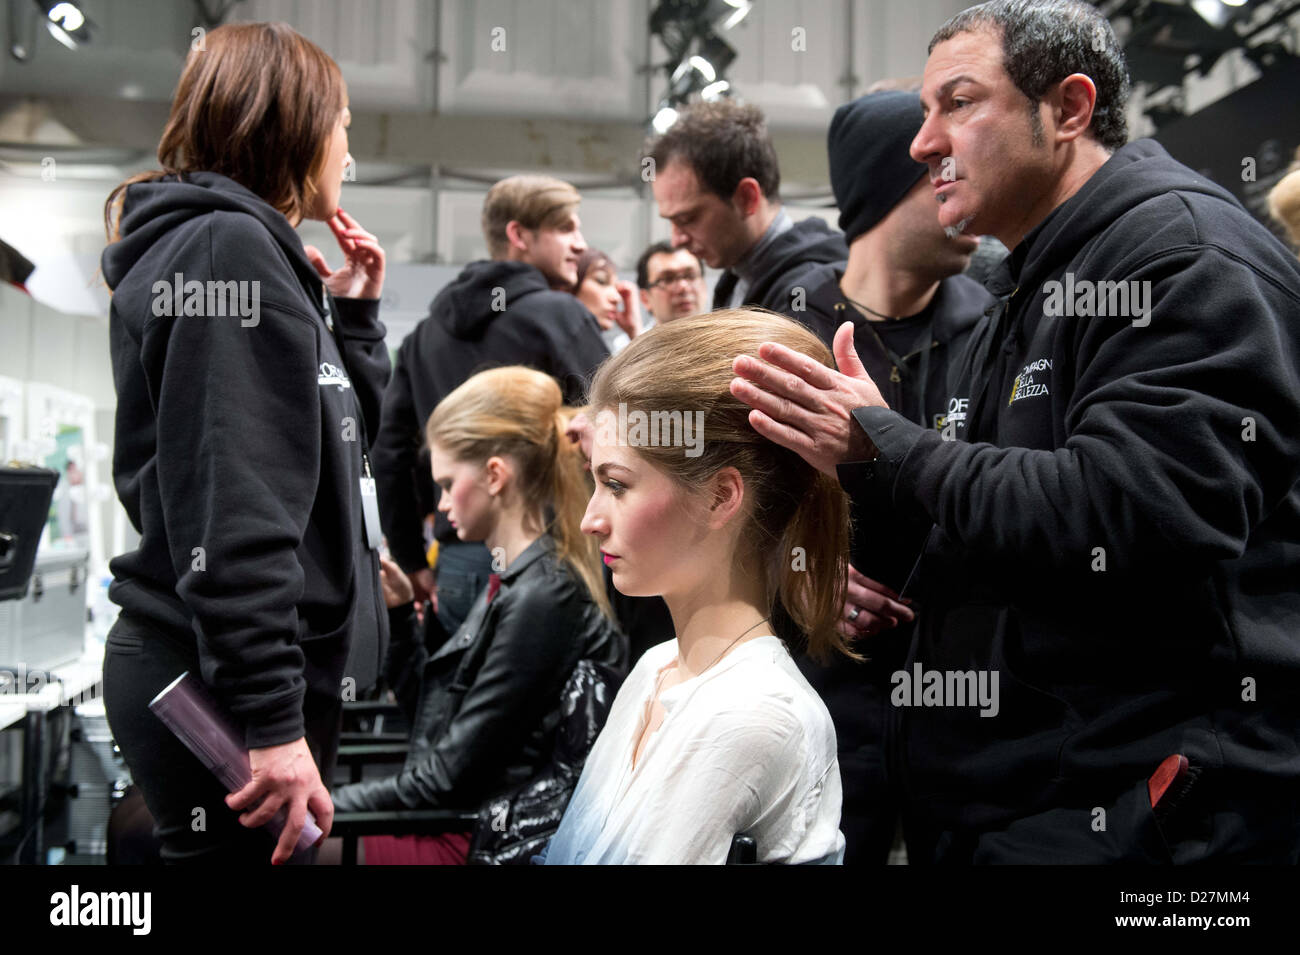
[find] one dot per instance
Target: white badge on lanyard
(370, 506)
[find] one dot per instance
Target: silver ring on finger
(856, 613)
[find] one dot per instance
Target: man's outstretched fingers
(782, 434)
(769, 378)
(809, 371)
(777, 409)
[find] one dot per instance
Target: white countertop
(78, 681)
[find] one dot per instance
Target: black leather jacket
(489, 698)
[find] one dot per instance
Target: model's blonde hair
(532, 201)
(797, 521)
(518, 412)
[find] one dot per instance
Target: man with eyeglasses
(671, 282)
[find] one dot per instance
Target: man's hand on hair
(802, 405)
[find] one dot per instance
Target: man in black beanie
(912, 312)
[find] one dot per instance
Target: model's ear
(498, 472)
(727, 495)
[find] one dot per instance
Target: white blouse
(745, 747)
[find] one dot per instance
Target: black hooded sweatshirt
(1116, 534)
(238, 452)
(791, 261)
(495, 313)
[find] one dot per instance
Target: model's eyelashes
(615, 487)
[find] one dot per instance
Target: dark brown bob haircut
(257, 104)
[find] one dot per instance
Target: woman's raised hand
(362, 273)
(630, 318)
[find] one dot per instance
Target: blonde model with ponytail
(489, 697)
(714, 733)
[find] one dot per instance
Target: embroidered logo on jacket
(1026, 386)
(331, 374)
(948, 423)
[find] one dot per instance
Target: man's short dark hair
(1043, 42)
(723, 142)
(659, 248)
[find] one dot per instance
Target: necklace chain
(868, 308)
(733, 643)
(664, 674)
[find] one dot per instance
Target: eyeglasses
(669, 279)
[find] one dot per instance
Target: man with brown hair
(716, 179)
(499, 311)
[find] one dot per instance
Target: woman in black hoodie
(245, 393)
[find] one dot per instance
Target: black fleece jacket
(790, 262)
(495, 313)
(1117, 529)
(238, 451)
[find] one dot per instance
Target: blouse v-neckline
(631, 765)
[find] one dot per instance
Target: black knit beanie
(871, 170)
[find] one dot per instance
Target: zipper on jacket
(977, 401)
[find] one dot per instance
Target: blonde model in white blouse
(714, 733)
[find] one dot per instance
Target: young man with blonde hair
(498, 311)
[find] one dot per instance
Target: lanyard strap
(327, 300)
(899, 364)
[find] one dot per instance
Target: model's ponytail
(570, 492)
(813, 561)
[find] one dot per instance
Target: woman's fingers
(346, 243)
(318, 261)
(242, 798)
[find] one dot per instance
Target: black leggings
(192, 821)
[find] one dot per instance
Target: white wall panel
(384, 47)
(551, 57)
(791, 58)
